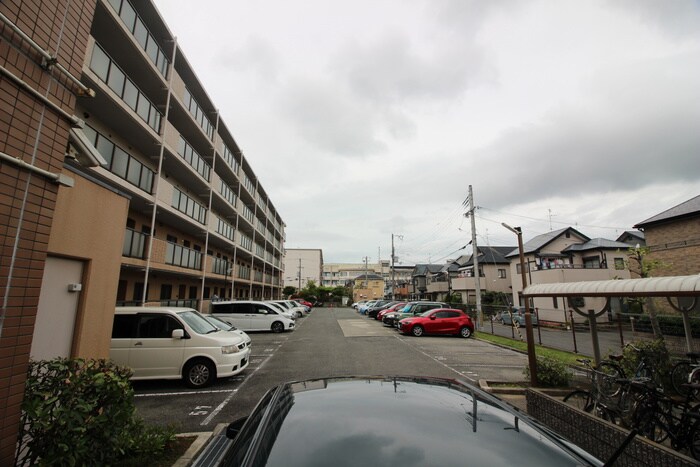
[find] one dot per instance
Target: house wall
(677, 245)
(36, 134)
(90, 228)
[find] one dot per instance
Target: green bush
(81, 412)
(550, 372)
(656, 357)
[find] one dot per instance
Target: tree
(289, 290)
(644, 266)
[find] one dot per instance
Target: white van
(249, 315)
(174, 343)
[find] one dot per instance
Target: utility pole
(299, 277)
(393, 281)
(475, 261)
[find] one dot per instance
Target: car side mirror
(433, 316)
(178, 333)
(235, 427)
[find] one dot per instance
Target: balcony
(134, 244)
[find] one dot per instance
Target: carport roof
(672, 286)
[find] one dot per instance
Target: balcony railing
(178, 255)
(134, 244)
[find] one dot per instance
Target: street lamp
(531, 359)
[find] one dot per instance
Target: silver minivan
(249, 315)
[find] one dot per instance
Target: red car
(438, 321)
(394, 307)
(303, 302)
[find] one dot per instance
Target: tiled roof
(537, 243)
(597, 244)
(690, 207)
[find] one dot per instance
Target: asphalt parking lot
(330, 342)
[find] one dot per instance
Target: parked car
(293, 307)
(518, 317)
(251, 315)
(283, 310)
(358, 303)
(363, 308)
(409, 310)
(438, 321)
(394, 307)
(305, 303)
(380, 305)
(174, 343)
(379, 421)
(226, 326)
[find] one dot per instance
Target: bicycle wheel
(606, 378)
(652, 424)
(694, 378)
(679, 377)
(579, 399)
(694, 440)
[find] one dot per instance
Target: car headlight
(227, 349)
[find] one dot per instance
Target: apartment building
(120, 183)
(301, 266)
(42, 49)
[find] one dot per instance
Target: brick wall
(677, 245)
(598, 437)
(36, 134)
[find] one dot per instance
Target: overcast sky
(367, 118)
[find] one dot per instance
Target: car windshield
(197, 322)
(219, 323)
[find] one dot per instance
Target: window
(619, 264)
(592, 262)
(99, 63)
(166, 291)
(124, 327)
(157, 326)
(501, 273)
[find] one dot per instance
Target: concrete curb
(488, 386)
(194, 449)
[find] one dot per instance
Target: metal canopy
(672, 286)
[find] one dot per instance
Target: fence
(613, 331)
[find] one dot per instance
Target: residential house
(420, 278)
(673, 239)
(494, 273)
(567, 255)
(368, 287)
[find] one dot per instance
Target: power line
(563, 222)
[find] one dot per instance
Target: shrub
(550, 372)
(81, 412)
(656, 356)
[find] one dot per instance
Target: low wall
(599, 437)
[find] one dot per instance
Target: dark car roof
(393, 421)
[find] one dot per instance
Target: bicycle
(599, 400)
(660, 418)
(682, 373)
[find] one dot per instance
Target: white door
(58, 308)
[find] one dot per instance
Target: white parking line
(183, 393)
(406, 341)
(223, 404)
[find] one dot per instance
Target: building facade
(301, 266)
(120, 183)
(567, 255)
(673, 239)
(37, 113)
